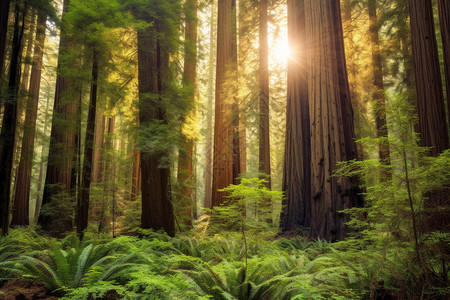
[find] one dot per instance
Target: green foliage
(393, 223)
(248, 207)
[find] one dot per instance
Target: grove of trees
(307, 140)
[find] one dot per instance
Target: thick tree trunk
(264, 141)
(432, 126)
(226, 163)
(30, 28)
(430, 98)
(296, 209)
(22, 186)
(186, 178)
(444, 22)
(153, 61)
(58, 181)
(4, 13)
(83, 194)
(9, 118)
(209, 113)
(378, 99)
(331, 119)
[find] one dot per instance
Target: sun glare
(278, 42)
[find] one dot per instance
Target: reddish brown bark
(430, 97)
(444, 22)
(296, 210)
(185, 160)
(9, 118)
(59, 174)
(226, 162)
(331, 119)
(20, 214)
(432, 125)
(153, 63)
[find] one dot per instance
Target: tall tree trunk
(264, 127)
(30, 28)
(296, 209)
(444, 22)
(226, 163)
(23, 181)
(107, 177)
(9, 117)
(136, 175)
(99, 135)
(185, 159)
(41, 166)
(430, 100)
(209, 114)
(378, 93)
(58, 181)
(331, 119)
(153, 61)
(83, 194)
(353, 72)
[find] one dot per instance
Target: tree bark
(264, 126)
(378, 99)
(444, 21)
(153, 61)
(23, 181)
(185, 167)
(10, 117)
(430, 97)
(296, 209)
(226, 162)
(30, 28)
(432, 126)
(58, 179)
(331, 120)
(82, 214)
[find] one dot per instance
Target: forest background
(226, 122)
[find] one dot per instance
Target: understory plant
(411, 261)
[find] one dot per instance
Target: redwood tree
(185, 159)
(432, 127)
(23, 180)
(226, 162)
(153, 75)
(83, 194)
(264, 141)
(444, 21)
(297, 169)
(209, 114)
(58, 181)
(331, 119)
(378, 99)
(10, 116)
